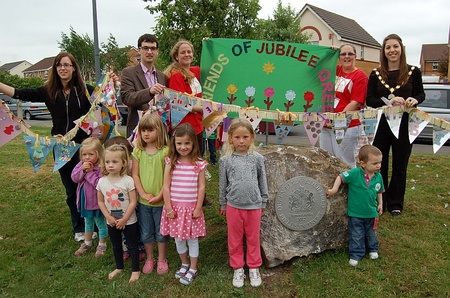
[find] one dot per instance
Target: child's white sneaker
(353, 262)
(255, 277)
(238, 278)
(373, 255)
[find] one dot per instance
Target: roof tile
(433, 52)
(347, 28)
(44, 64)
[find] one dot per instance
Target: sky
(30, 29)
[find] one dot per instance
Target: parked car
(123, 110)
(436, 103)
(30, 110)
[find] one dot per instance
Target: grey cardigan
(242, 181)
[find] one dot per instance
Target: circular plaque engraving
(300, 203)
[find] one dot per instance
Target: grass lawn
(37, 247)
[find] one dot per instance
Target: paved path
(297, 137)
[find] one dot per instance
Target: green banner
(269, 75)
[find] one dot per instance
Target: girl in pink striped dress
(184, 191)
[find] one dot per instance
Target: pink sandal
(148, 266)
(163, 267)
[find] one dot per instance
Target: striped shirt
(184, 184)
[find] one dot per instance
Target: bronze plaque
(300, 203)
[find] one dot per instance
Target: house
(329, 29)
(134, 56)
(16, 68)
(112, 60)
(430, 57)
(40, 69)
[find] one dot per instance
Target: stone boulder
(280, 243)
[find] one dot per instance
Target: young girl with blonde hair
(243, 194)
(87, 174)
(148, 175)
(117, 200)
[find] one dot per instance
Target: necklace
(392, 89)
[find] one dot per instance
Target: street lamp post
(96, 49)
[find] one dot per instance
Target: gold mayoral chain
(392, 89)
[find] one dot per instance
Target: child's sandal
(182, 271)
(163, 267)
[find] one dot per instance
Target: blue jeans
(360, 234)
(211, 144)
(149, 224)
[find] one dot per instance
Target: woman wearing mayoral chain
(394, 83)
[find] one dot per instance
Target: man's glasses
(146, 49)
(65, 65)
(347, 54)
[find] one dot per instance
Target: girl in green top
(148, 173)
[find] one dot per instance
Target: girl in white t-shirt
(117, 201)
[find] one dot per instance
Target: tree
(197, 19)
(18, 82)
(443, 64)
(82, 48)
(285, 26)
(113, 57)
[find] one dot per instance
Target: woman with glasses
(67, 98)
(350, 94)
(398, 84)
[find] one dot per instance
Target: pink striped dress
(183, 197)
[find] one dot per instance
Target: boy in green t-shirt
(365, 188)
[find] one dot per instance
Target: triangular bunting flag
(182, 100)
(254, 119)
(393, 118)
(313, 128)
(416, 125)
(340, 126)
(92, 124)
(162, 104)
(207, 108)
(369, 127)
(225, 126)
(177, 113)
(212, 121)
(38, 150)
(108, 124)
(440, 136)
(64, 153)
(282, 129)
(134, 134)
(9, 128)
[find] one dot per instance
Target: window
(435, 65)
